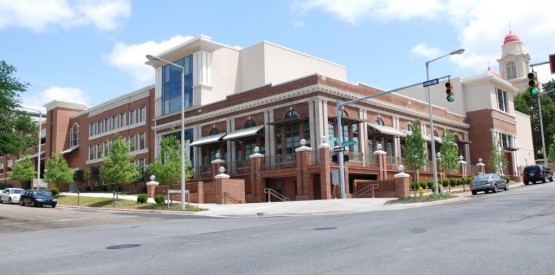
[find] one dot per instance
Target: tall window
(131, 143)
(122, 120)
(379, 121)
(132, 117)
(511, 70)
(249, 123)
(107, 125)
(92, 129)
(502, 100)
(505, 140)
(74, 135)
(214, 131)
(98, 151)
(106, 148)
(410, 128)
(91, 152)
(141, 141)
(99, 127)
(114, 122)
(171, 85)
(142, 114)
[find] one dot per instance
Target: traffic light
(533, 84)
(449, 91)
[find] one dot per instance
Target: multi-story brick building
(263, 100)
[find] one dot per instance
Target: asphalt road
(504, 233)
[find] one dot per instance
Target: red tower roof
(511, 37)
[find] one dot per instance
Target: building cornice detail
(503, 118)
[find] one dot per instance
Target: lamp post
(151, 58)
(38, 150)
(434, 165)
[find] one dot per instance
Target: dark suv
(534, 173)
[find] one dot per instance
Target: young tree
(551, 154)
(118, 167)
(167, 167)
(16, 127)
(415, 151)
(497, 160)
(22, 170)
(87, 178)
(58, 171)
(449, 153)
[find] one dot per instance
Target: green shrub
(444, 182)
(54, 191)
(159, 199)
(507, 178)
(469, 180)
(430, 184)
(104, 188)
(422, 184)
(453, 183)
(5, 185)
(142, 198)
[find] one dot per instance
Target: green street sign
(349, 142)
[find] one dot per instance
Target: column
(256, 184)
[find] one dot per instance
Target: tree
(167, 167)
(551, 154)
(449, 153)
(415, 151)
(16, 127)
(87, 178)
(118, 167)
(58, 171)
(528, 104)
(22, 170)
(497, 160)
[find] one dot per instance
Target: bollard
(77, 197)
(114, 197)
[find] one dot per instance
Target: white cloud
(73, 95)
(481, 24)
(39, 15)
(131, 58)
(424, 51)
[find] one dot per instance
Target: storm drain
(122, 246)
(325, 228)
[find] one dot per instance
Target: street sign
(339, 149)
(349, 142)
(332, 138)
(430, 82)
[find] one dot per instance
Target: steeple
(514, 62)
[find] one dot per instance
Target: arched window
(379, 121)
(436, 134)
(511, 70)
(74, 135)
(249, 123)
(410, 128)
(214, 131)
(291, 114)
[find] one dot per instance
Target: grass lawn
(120, 203)
(429, 198)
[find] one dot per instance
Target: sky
(91, 51)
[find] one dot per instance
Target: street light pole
(432, 137)
(150, 57)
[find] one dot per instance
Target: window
(142, 114)
(106, 148)
(141, 141)
(122, 120)
(99, 151)
(92, 129)
(74, 139)
(132, 117)
(114, 122)
(171, 85)
(502, 100)
(99, 127)
(214, 131)
(410, 128)
(91, 152)
(511, 70)
(249, 123)
(107, 125)
(505, 140)
(131, 143)
(379, 121)
(141, 162)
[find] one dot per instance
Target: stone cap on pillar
(401, 175)
(461, 162)
(152, 181)
(480, 164)
(218, 161)
(303, 146)
(222, 174)
(256, 154)
(379, 152)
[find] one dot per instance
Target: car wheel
(551, 179)
(526, 182)
(21, 202)
(36, 204)
(544, 180)
(506, 186)
(1, 200)
(494, 188)
(53, 205)
(10, 200)
(474, 192)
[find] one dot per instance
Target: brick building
(248, 110)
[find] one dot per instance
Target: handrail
(274, 193)
(231, 198)
(365, 190)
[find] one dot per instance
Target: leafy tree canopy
(22, 170)
(449, 153)
(167, 167)
(118, 167)
(57, 170)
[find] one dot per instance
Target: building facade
(263, 101)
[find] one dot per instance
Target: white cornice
(63, 104)
(503, 118)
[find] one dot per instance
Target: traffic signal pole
(540, 112)
(339, 110)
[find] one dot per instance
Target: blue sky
(92, 51)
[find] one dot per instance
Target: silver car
(488, 182)
(10, 195)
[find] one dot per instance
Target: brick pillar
(382, 163)
(216, 164)
(200, 192)
(257, 186)
(304, 181)
(151, 188)
(481, 168)
(402, 184)
(324, 158)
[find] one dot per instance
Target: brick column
(324, 158)
(257, 186)
(151, 188)
(304, 180)
(481, 168)
(382, 164)
(402, 184)
(462, 168)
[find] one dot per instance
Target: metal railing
(271, 192)
(282, 161)
(241, 166)
(203, 171)
(229, 197)
(366, 189)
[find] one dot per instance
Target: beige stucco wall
(524, 143)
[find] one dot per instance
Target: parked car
(10, 195)
(37, 198)
(488, 182)
(538, 172)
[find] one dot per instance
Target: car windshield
(43, 193)
(481, 177)
(17, 191)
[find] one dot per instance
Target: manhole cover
(122, 246)
(325, 228)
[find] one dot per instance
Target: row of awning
(232, 136)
